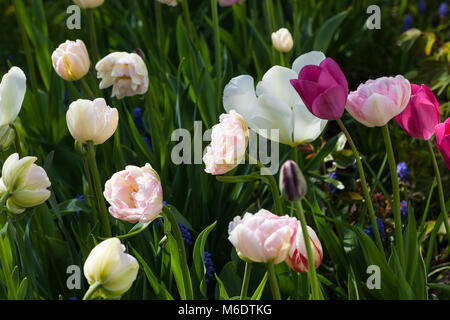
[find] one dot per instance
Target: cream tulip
(125, 72)
(85, 4)
(25, 182)
(12, 92)
(109, 267)
(282, 40)
(275, 104)
(71, 60)
(171, 3)
(91, 120)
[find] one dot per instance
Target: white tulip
(108, 265)
(12, 92)
(276, 104)
(25, 182)
(282, 40)
(85, 4)
(91, 120)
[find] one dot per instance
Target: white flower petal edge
(12, 92)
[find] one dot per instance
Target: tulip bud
(125, 72)
(7, 136)
(71, 60)
(25, 182)
(12, 92)
(293, 184)
(442, 131)
(85, 4)
(91, 120)
(297, 259)
(108, 265)
(282, 40)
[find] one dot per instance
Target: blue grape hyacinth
(380, 226)
(407, 22)
(421, 7)
(443, 10)
(331, 187)
(137, 117)
(404, 209)
(81, 198)
(403, 172)
(209, 265)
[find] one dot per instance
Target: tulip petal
(335, 71)
(313, 57)
(12, 92)
(30, 198)
(330, 104)
(239, 94)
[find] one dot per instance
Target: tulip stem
(440, 188)
(98, 189)
(362, 176)
(93, 35)
(311, 267)
(217, 49)
(16, 140)
(187, 17)
(86, 88)
(396, 193)
(90, 189)
(4, 260)
(92, 289)
(189, 295)
(273, 282)
(282, 60)
(248, 269)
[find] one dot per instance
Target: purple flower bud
(443, 10)
(293, 184)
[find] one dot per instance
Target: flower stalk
(245, 282)
(92, 289)
(4, 260)
(273, 281)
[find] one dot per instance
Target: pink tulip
(227, 3)
(422, 113)
(442, 131)
(297, 259)
(323, 89)
(229, 140)
(135, 194)
(376, 102)
(262, 237)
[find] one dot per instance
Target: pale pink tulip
(262, 237)
(376, 102)
(71, 60)
(227, 3)
(135, 194)
(229, 140)
(298, 259)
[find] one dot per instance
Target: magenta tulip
(323, 89)
(442, 131)
(422, 113)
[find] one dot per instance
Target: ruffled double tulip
(297, 259)
(229, 140)
(171, 3)
(71, 60)
(227, 3)
(25, 182)
(275, 104)
(323, 89)
(442, 131)
(86, 4)
(91, 120)
(12, 92)
(376, 102)
(262, 237)
(282, 40)
(421, 115)
(111, 269)
(135, 194)
(125, 72)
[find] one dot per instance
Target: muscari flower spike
(403, 172)
(209, 265)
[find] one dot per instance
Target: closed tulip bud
(7, 136)
(12, 92)
(376, 102)
(443, 141)
(71, 60)
(227, 3)
(125, 72)
(421, 115)
(293, 184)
(85, 4)
(282, 40)
(135, 194)
(262, 237)
(91, 120)
(25, 182)
(297, 259)
(171, 3)
(229, 140)
(323, 89)
(109, 266)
